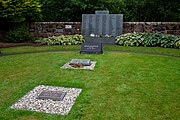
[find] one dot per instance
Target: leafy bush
(169, 41)
(18, 11)
(148, 39)
(62, 40)
(20, 33)
(177, 44)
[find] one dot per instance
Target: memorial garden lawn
(123, 85)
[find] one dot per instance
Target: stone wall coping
(57, 22)
(123, 22)
(152, 23)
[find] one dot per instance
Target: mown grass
(158, 50)
(20, 49)
(122, 85)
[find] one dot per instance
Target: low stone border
(30, 101)
(91, 67)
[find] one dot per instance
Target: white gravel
(30, 101)
(91, 67)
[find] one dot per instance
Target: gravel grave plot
(30, 101)
(91, 67)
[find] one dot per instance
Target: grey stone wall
(47, 29)
(162, 27)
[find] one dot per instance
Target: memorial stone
(85, 62)
(100, 28)
(91, 48)
(53, 95)
(102, 23)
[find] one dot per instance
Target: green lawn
(170, 51)
(122, 86)
(37, 48)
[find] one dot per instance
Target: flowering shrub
(148, 39)
(62, 40)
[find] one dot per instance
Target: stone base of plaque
(87, 52)
(103, 40)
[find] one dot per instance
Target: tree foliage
(133, 10)
(152, 10)
(15, 16)
(17, 11)
(72, 10)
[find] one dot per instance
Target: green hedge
(149, 39)
(62, 40)
(20, 33)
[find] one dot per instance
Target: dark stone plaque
(103, 40)
(59, 30)
(91, 48)
(31, 30)
(53, 95)
(85, 62)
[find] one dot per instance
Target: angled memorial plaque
(53, 95)
(85, 62)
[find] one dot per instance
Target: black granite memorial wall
(102, 24)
